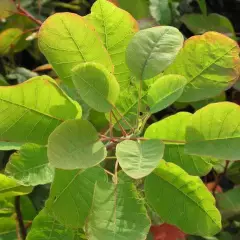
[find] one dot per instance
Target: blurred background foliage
(20, 59)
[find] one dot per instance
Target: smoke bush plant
(105, 178)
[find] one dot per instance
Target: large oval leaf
(30, 166)
(174, 128)
(138, 159)
(24, 117)
(210, 63)
(116, 28)
(165, 91)
(152, 50)
(117, 213)
(182, 200)
(44, 226)
(9, 187)
(75, 144)
(96, 86)
(71, 195)
(65, 47)
(215, 131)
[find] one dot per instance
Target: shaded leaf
(96, 86)
(181, 200)
(165, 91)
(233, 172)
(152, 50)
(117, 213)
(161, 11)
(209, 62)
(203, 6)
(75, 144)
(23, 116)
(215, 131)
(138, 159)
(198, 23)
(116, 28)
(76, 189)
(8, 228)
(174, 128)
(228, 203)
(30, 166)
(64, 47)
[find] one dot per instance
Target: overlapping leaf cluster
(124, 75)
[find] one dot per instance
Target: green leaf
(28, 172)
(165, 91)
(182, 200)
(24, 118)
(6, 146)
(203, 6)
(74, 188)
(9, 187)
(198, 23)
(8, 40)
(209, 62)
(174, 128)
(152, 50)
(138, 159)
(65, 48)
(7, 8)
(96, 86)
(215, 131)
(127, 107)
(228, 203)
(8, 228)
(116, 28)
(139, 12)
(117, 213)
(161, 11)
(44, 226)
(233, 172)
(75, 144)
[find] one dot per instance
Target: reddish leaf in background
(211, 186)
(167, 232)
(114, 1)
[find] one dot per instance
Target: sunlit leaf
(116, 28)
(181, 200)
(174, 128)
(71, 195)
(8, 40)
(152, 50)
(165, 91)
(138, 159)
(209, 62)
(7, 8)
(64, 47)
(32, 110)
(9, 187)
(96, 86)
(44, 226)
(117, 213)
(75, 144)
(30, 166)
(215, 131)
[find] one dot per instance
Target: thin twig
(20, 221)
(119, 124)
